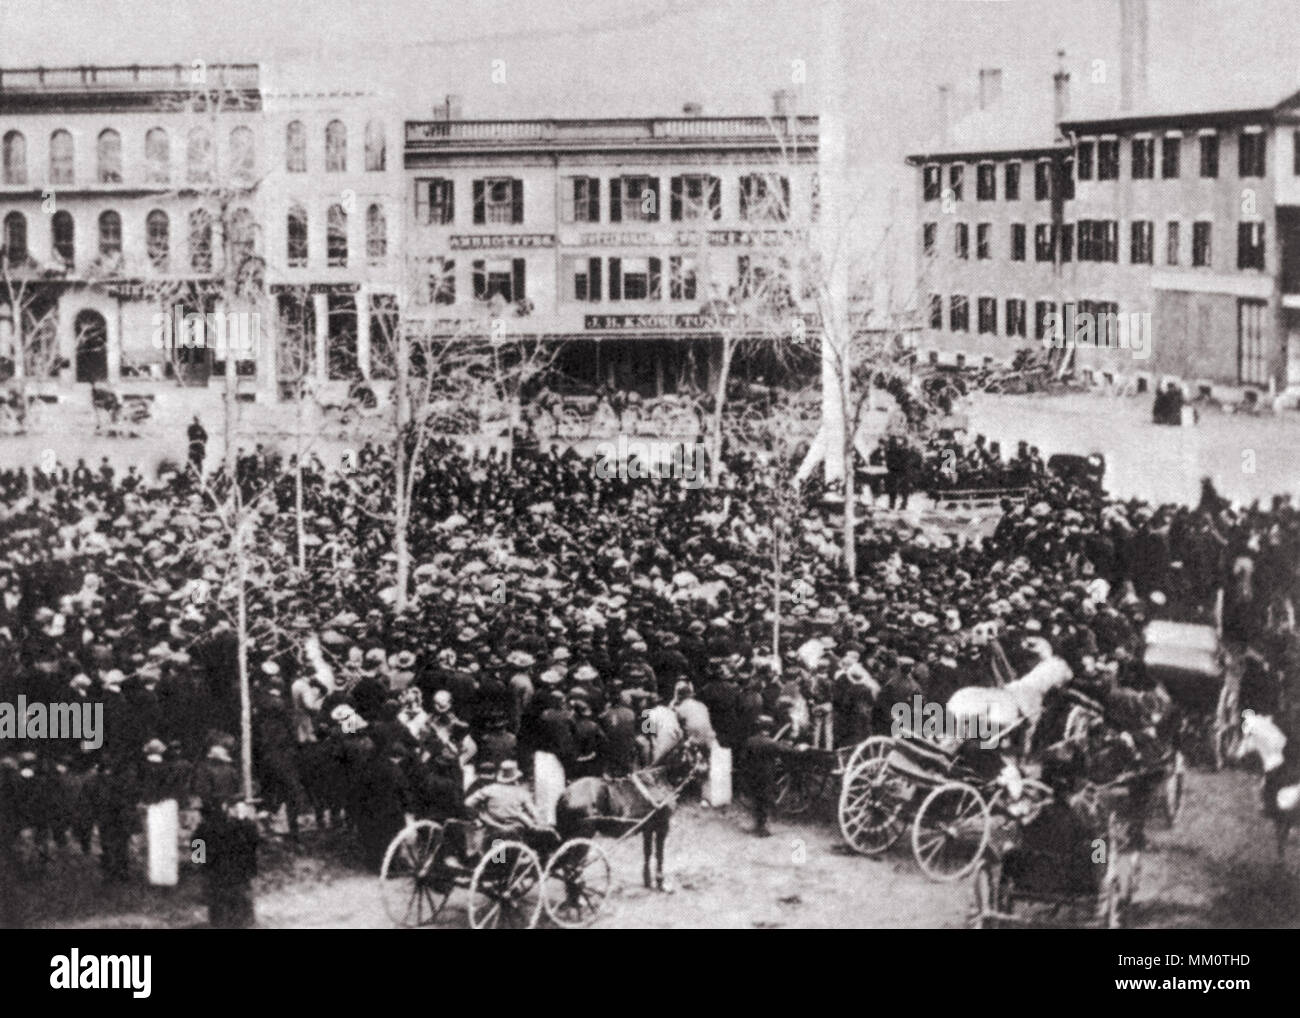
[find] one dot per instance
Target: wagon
(950, 806)
(511, 883)
(1187, 660)
(1066, 868)
(805, 777)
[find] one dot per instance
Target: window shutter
(480, 273)
(656, 277)
(742, 272)
(615, 203)
(654, 190)
(480, 208)
(745, 184)
(593, 204)
(675, 277)
(449, 201)
(675, 198)
(517, 290)
(785, 197)
(593, 279)
(715, 196)
(516, 201)
(423, 201)
(615, 279)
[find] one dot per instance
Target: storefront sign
(684, 238)
(469, 242)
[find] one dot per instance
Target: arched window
(15, 158)
(295, 147)
(336, 236)
(243, 158)
(110, 233)
(375, 145)
(63, 237)
(62, 167)
(157, 156)
(297, 235)
(336, 147)
(243, 237)
(198, 157)
(16, 238)
(108, 154)
(200, 241)
(157, 232)
(376, 234)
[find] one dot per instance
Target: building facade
(615, 237)
(1187, 221)
(133, 199)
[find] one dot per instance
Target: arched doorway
(91, 332)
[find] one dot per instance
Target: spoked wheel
(505, 890)
(796, 788)
(870, 749)
(951, 831)
(871, 807)
(413, 889)
(576, 883)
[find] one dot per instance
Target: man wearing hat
(505, 806)
(227, 840)
(757, 770)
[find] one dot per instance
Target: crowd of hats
(541, 567)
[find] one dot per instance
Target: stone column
(321, 309)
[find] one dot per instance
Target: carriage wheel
(869, 749)
(796, 789)
(412, 889)
(871, 807)
(576, 883)
(951, 831)
(505, 890)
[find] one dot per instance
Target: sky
(648, 57)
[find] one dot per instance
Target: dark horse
(612, 806)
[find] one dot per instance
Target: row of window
(1014, 321)
(627, 198)
(199, 154)
(158, 237)
(986, 183)
(586, 279)
(1100, 158)
(1098, 241)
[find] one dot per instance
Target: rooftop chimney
(692, 109)
(990, 86)
(448, 109)
(1061, 89)
(945, 119)
(1132, 54)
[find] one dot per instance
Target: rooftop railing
(137, 77)
(561, 132)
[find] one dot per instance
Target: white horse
(996, 710)
(1261, 734)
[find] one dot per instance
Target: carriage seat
(921, 760)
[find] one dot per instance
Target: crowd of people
(550, 610)
(944, 462)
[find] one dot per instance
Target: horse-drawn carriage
(510, 880)
(950, 795)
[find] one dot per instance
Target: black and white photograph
(667, 465)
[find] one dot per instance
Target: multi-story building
(106, 178)
(130, 192)
(1190, 218)
(614, 236)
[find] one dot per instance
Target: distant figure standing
(227, 838)
(198, 444)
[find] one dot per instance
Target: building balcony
(137, 77)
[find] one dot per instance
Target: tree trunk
(776, 590)
(245, 694)
(719, 404)
(401, 482)
(850, 488)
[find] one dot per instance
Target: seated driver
(505, 805)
